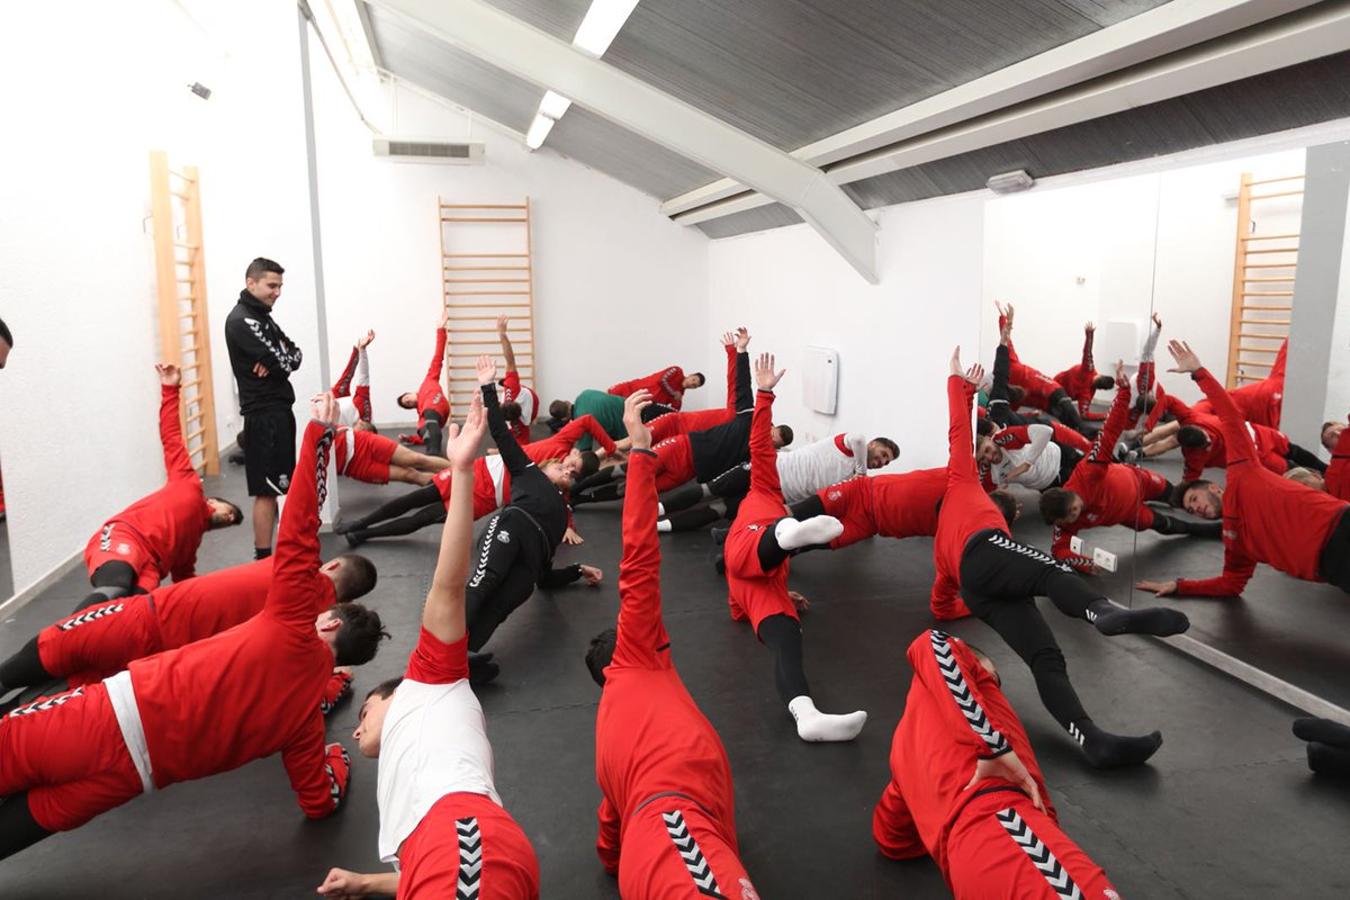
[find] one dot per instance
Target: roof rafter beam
(1131, 49)
(497, 38)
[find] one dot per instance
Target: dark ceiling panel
(795, 71)
(560, 18)
(620, 153)
(775, 215)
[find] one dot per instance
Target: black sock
(601, 494)
(18, 828)
(771, 555)
(783, 635)
(691, 519)
(1325, 759)
(1164, 523)
(482, 669)
(261, 552)
(23, 669)
(682, 497)
(1108, 751)
(810, 507)
(1324, 731)
(1158, 621)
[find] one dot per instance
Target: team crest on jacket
(835, 495)
(124, 549)
(284, 481)
(504, 536)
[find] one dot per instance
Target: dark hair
(355, 578)
(785, 433)
(1179, 496)
(238, 513)
(9, 338)
(1016, 395)
(590, 464)
(1103, 383)
(1192, 436)
(889, 445)
(1145, 402)
(599, 654)
(261, 266)
(385, 688)
(984, 427)
(701, 380)
(1323, 430)
(560, 409)
(511, 411)
(360, 634)
(398, 401)
(1055, 503)
(1007, 504)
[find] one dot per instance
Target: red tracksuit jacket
(430, 396)
(1266, 518)
(966, 508)
(254, 690)
(667, 387)
(673, 423)
(172, 520)
(361, 395)
(1077, 380)
(650, 736)
(906, 505)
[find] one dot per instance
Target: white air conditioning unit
(425, 151)
(821, 379)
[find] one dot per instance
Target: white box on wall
(821, 379)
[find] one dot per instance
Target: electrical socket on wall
(1076, 545)
(1104, 558)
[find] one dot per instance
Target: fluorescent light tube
(554, 105)
(603, 21)
(539, 129)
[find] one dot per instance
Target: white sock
(663, 526)
(792, 534)
(814, 725)
(660, 509)
(707, 491)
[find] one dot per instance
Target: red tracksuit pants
(673, 850)
(676, 459)
(67, 752)
(467, 841)
(100, 640)
(753, 593)
(115, 542)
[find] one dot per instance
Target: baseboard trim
(23, 597)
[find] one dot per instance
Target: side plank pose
(519, 402)
(157, 536)
(1037, 390)
(206, 708)
(756, 552)
(667, 813)
(1266, 518)
(994, 833)
(666, 387)
(430, 400)
(977, 559)
(352, 389)
(442, 822)
(1082, 381)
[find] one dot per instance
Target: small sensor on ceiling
(200, 90)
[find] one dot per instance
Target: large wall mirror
(1236, 257)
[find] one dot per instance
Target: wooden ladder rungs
(487, 293)
(487, 268)
(1269, 237)
(1283, 265)
(485, 255)
(1263, 337)
(1268, 278)
(1274, 195)
(482, 219)
(1275, 180)
(487, 281)
(454, 306)
(1270, 322)
(484, 206)
(1265, 308)
(1271, 250)
(1267, 293)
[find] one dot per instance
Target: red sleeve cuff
(435, 662)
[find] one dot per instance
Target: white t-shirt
(1041, 452)
(434, 742)
(805, 471)
(347, 414)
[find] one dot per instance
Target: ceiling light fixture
(1010, 182)
(597, 31)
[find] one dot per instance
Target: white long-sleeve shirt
(805, 471)
(1041, 452)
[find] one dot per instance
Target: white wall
(894, 339)
(620, 291)
(76, 258)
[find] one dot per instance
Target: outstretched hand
(591, 575)
(324, 409)
(1185, 357)
(1010, 768)
(169, 374)
(742, 339)
(1090, 327)
(463, 441)
(1157, 321)
(974, 375)
(639, 435)
(364, 341)
(955, 367)
(1122, 377)
(445, 320)
(765, 377)
(487, 369)
(1161, 588)
(502, 323)
(728, 339)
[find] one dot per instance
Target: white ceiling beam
(1318, 33)
(489, 34)
(1158, 32)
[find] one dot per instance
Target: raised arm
(361, 387)
(1116, 420)
(1237, 440)
(763, 455)
(293, 594)
(1038, 438)
(729, 345)
(570, 433)
(1000, 408)
(516, 459)
(642, 640)
(318, 772)
(1089, 332)
(177, 463)
(507, 352)
(438, 359)
(745, 399)
(443, 614)
(960, 442)
(343, 386)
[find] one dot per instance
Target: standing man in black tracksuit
(263, 359)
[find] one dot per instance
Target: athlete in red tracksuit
(206, 708)
(430, 401)
(670, 424)
(1039, 390)
(1260, 402)
(491, 485)
(978, 562)
(1274, 450)
(519, 402)
(756, 551)
(1266, 518)
(1101, 493)
(1338, 473)
(375, 459)
(667, 386)
(158, 536)
(988, 835)
(667, 817)
(1082, 381)
(354, 383)
(101, 640)
(894, 506)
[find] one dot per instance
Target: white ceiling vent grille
(405, 150)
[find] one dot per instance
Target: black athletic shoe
(482, 670)
(354, 539)
(719, 535)
(236, 458)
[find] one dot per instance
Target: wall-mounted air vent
(404, 150)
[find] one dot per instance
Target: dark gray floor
(1226, 810)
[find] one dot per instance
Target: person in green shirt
(607, 409)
